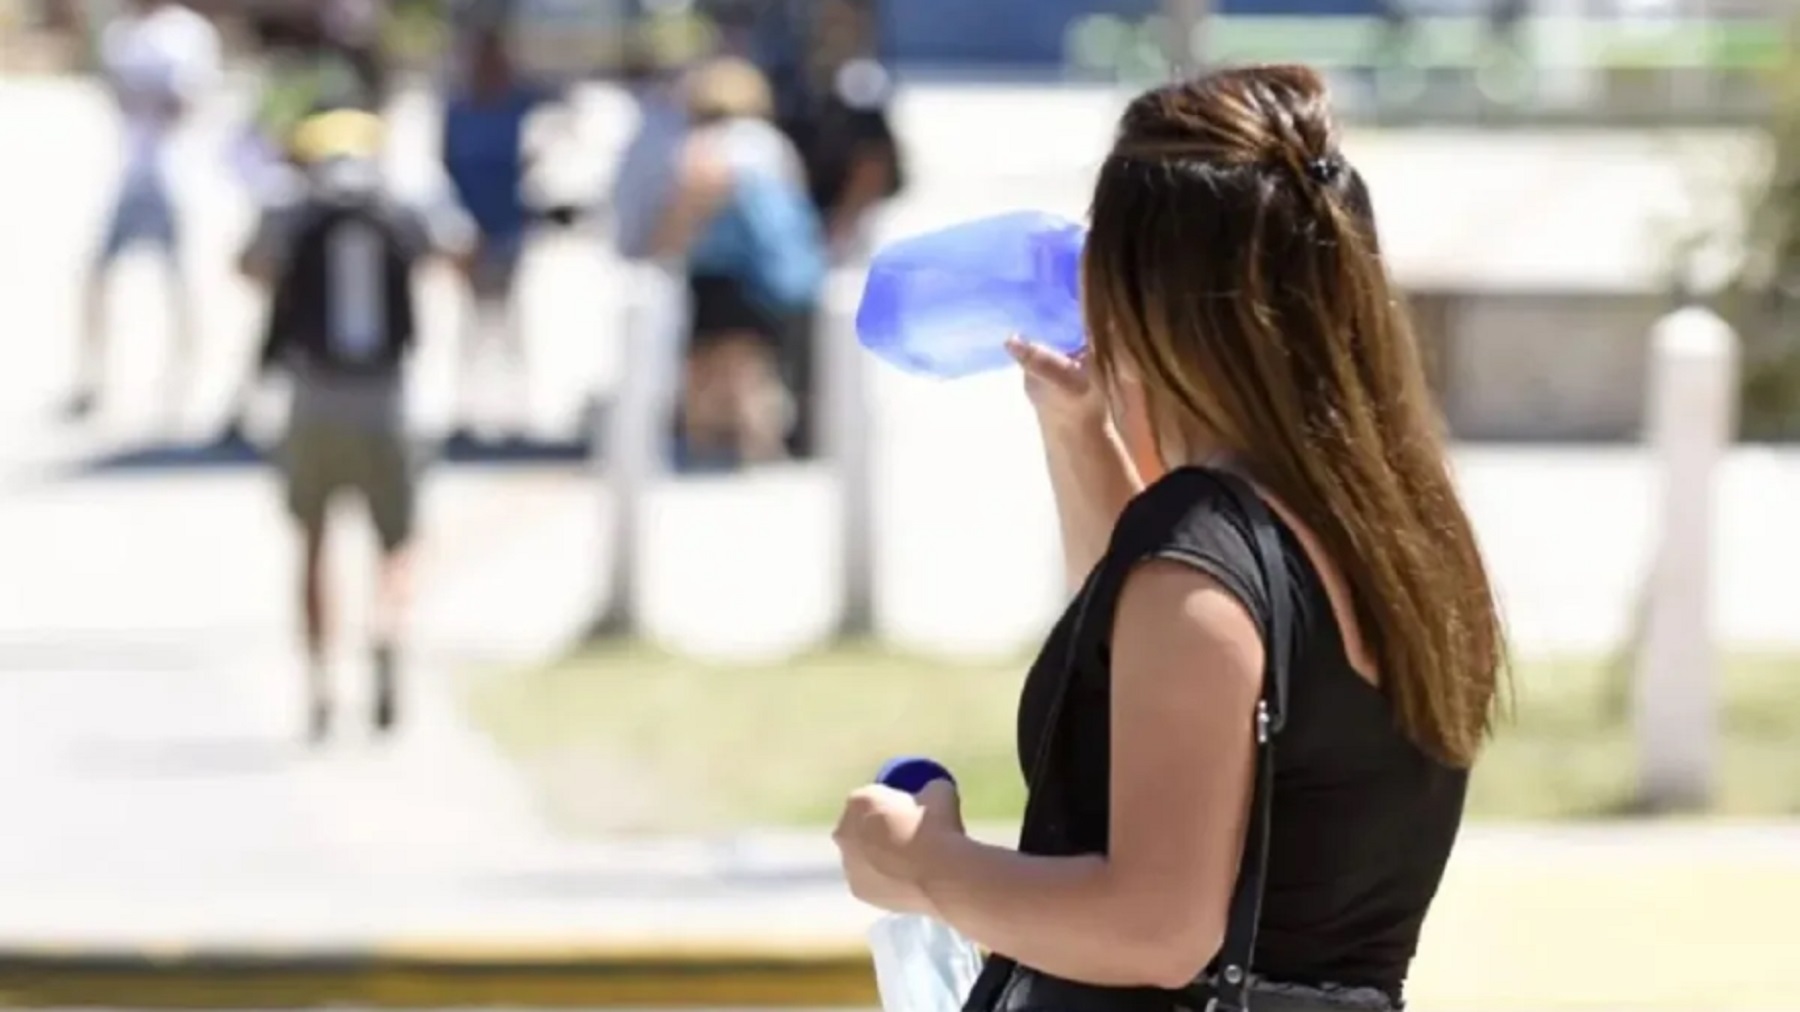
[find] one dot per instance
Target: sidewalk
(1565, 919)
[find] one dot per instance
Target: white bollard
(1692, 409)
(637, 427)
(844, 442)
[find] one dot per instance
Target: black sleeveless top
(1362, 820)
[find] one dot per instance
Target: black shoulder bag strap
(1228, 990)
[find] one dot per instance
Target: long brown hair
(1233, 268)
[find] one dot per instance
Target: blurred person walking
(656, 57)
(833, 101)
(837, 113)
(1248, 740)
(741, 218)
(158, 59)
(485, 155)
(657, 52)
(340, 255)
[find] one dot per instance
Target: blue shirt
(646, 170)
(484, 156)
(768, 235)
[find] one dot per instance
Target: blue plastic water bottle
(921, 965)
(943, 304)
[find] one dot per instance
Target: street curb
(411, 977)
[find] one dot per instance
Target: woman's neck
(1196, 453)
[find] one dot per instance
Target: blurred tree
(416, 32)
(1762, 299)
(1394, 69)
(1506, 68)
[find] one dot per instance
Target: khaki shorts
(322, 457)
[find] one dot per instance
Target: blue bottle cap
(912, 773)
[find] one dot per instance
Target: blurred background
(597, 683)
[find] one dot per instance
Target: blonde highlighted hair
(728, 88)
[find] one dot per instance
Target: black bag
(343, 300)
(1003, 984)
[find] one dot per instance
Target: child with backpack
(339, 255)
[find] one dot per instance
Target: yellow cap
(340, 133)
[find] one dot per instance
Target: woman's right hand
(1077, 414)
(1067, 396)
(1092, 473)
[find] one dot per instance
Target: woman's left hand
(886, 836)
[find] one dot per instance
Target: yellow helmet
(339, 133)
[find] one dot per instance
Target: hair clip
(1325, 171)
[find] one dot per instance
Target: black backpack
(343, 301)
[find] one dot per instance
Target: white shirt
(757, 147)
(156, 63)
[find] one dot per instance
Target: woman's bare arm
(702, 184)
(1187, 671)
(869, 180)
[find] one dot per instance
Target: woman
(755, 253)
(1247, 340)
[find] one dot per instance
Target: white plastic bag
(921, 964)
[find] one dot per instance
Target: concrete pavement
(1566, 918)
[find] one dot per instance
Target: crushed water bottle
(921, 964)
(943, 304)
